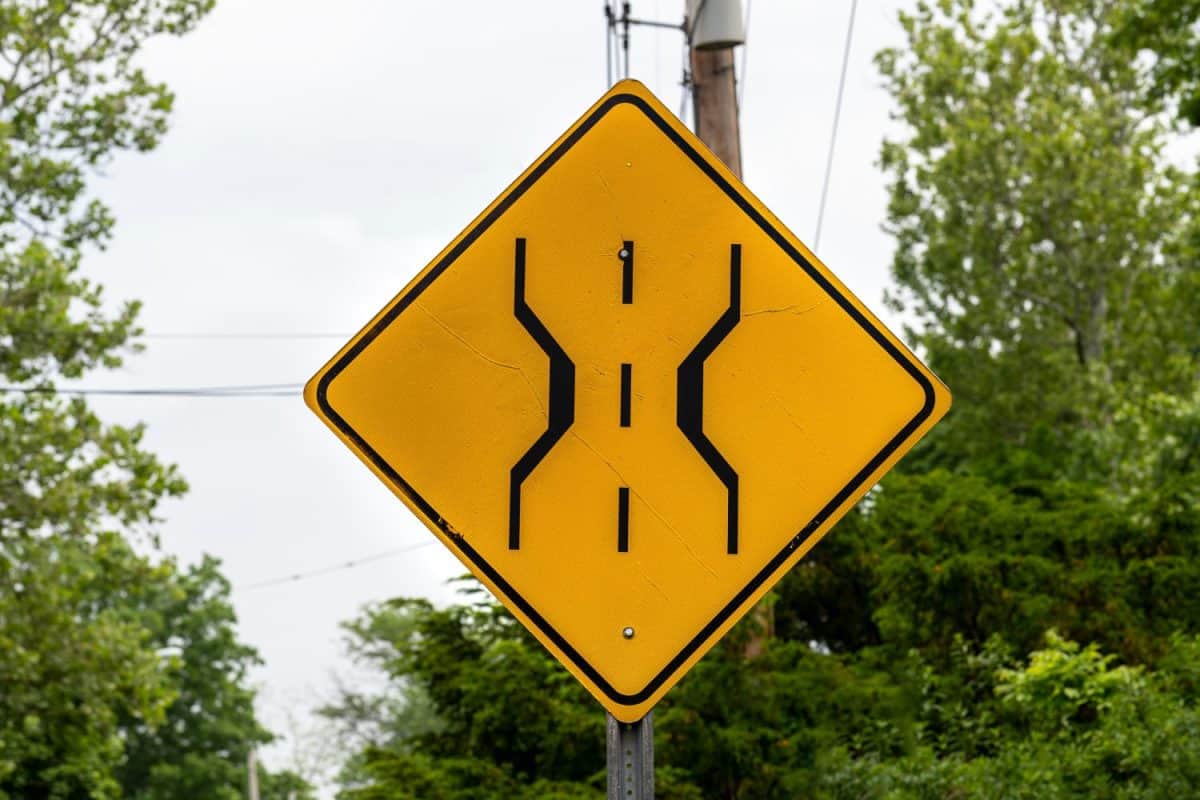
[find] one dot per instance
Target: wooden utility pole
(714, 97)
(715, 100)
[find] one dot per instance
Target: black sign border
(473, 555)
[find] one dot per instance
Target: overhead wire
(338, 567)
(607, 50)
(689, 29)
(247, 390)
(247, 335)
(837, 113)
(625, 36)
(612, 42)
(219, 391)
(685, 83)
(610, 30)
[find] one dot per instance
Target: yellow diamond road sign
(627, 398)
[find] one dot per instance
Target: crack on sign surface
(647, 503)
(794, 308)
(607, 189)
(651, 583)
(493, 361)
(801, 485)
(787, 411)
(612, 196)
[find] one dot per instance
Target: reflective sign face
(628, 399)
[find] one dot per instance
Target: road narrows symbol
(530, 489)
(689, 408)
(562, 398)
(690, 395)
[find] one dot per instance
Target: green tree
(70, 669)
(940, 557)
(200, 746)
(1170, 31)
(1048, 254)
(1068, 722)
(1038, 227)
(1048, 257)
(119, 673)
(476, 709)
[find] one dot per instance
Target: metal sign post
(631, 759)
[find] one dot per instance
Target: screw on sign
(628, 399)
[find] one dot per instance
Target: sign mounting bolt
(627, 632)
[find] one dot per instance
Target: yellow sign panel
(628, 399)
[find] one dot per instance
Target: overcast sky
(321, 154)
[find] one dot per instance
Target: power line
(249, 390)
(316, 573)
(248, 335)
(837, 114)
(686, 83)
(608, 46)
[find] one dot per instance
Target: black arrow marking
(562, 400)
(689, 413)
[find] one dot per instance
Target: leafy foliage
(1170, 30)
(71, 96)
(463, 671)
(120, 675)
(1068, 723)
(1038, 227)
(200, 746)
(69, 670)
(940, 557)
(1012, 615)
